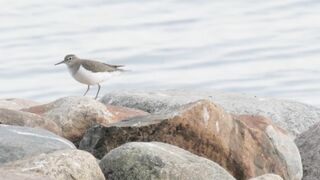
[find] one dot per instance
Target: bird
(90, 72)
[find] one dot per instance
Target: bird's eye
(69, 58)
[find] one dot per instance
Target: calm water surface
(266, 48)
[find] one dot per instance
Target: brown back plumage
(96, 66)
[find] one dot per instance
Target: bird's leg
(98, 91)
(87, 90)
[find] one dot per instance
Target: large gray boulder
(308, 143)
(293, 116)
(158, 161)
(58, 165)
(18, 142)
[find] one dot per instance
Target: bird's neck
(74, 68)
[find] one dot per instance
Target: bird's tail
(117, 66)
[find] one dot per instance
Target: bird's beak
(60, 62)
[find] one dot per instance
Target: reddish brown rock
(19, 118)
(247, 146)
(74, 115)
(121, 113)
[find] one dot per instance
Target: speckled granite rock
(7, 175)
(73, 114)
(19, 142)
(159, 161)
(293, 116)
(76, 114)
(16, 104)
(267, 177)
(308, 143)
(58, 165)
(20, 118)
(247, 146)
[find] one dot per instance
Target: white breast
(87, 77)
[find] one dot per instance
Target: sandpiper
(90, 72)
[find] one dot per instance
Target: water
(266, 48)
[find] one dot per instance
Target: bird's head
(69, 60)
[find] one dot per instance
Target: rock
(292, 116)
(20, 118)
(58, 165)
(18, 142)
(157, 161)
(5, 175)
(268, 177)
(287, 150)
(121, 113)
(247, 146)
(308, 143)
(76, 114)
(16, 104)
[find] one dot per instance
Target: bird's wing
(99, 66)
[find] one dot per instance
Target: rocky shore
(159, 135)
